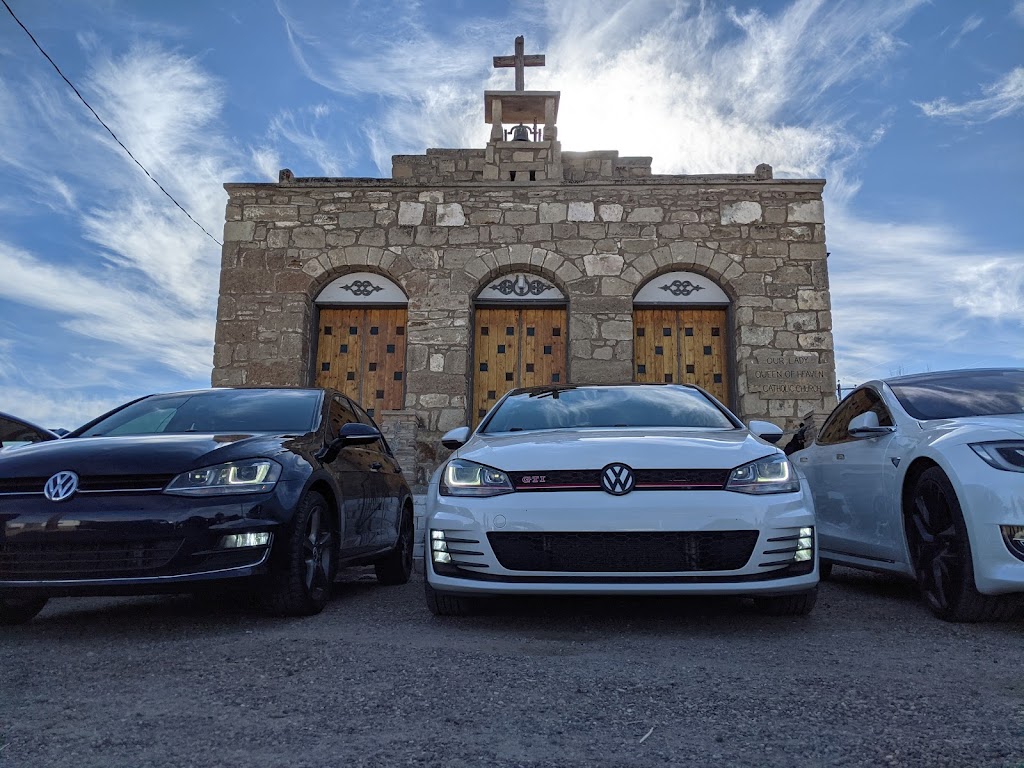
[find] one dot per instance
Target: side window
(836, 429)
(340, 414)
(364, 418)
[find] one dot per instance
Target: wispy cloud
(314, 133)
(714, 89)
(139, 289)
(970, 24)
(1017, 12)
(1002, 98)
(906, 294)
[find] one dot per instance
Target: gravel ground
(869, 679)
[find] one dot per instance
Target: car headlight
(772, 474)
(467, 478)
(247, 476)
(1004, 454)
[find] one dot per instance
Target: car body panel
(860, 511)
(554, 514)
(121, 534)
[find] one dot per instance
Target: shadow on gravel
(882, 585)
(207, 613)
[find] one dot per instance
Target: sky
(912, 111)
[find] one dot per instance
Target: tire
(19, 610)
(443, 604)
(300, 584)
(940, 552)
(396, 567)
(799, 604)
(824, 570)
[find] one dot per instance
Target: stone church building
(427, 295)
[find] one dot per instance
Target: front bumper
(131, 543)
(477, 569)
(991, 498)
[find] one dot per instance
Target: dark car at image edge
(271, 490)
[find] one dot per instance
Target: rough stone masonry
(596, 225)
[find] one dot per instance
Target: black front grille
(85, 560)
(618, 552)
(646, 479)
(22, 484)
(89, 483)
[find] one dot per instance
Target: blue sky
(913, 112)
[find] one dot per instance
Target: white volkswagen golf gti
(632, 489)
(923, 476)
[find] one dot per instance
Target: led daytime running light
(772, 474)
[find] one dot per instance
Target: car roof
(562, 387)
(26, 422)
(240, 389)
(922, 378)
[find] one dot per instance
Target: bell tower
(529, 150)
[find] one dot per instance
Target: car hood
(134, 455)
(977, 428)
(596, 448)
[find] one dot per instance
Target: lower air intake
(624, 552)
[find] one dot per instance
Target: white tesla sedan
(924, 476)
(632, 489)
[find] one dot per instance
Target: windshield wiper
(551, 391)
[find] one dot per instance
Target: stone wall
(761, 239)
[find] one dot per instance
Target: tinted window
(239, 411)
(965, 393)
(607, 407)
(836, 429)
(341, 413)
(14, 432)
(365, 418)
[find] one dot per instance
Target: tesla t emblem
(61, 486)
(617, 479)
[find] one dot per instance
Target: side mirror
(766, 431)
(351, 434)
(866, 425)
(455, 438)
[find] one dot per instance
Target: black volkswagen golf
(271, 489)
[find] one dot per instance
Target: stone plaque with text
(789, 380)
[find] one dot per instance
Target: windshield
(626, 406)
(226, 411)
(963, 393)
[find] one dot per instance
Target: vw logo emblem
(61, 486)
(617, 479)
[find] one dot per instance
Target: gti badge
(61, 486)
(617, 479)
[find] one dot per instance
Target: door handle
(376, 466)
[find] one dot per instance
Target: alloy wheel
(936, 546)
(317, 553)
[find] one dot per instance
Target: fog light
(1013, 535)
(439, 548)
(239, 540)
(804, 546)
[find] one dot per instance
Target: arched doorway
(361, 340)
(520, 332)
(681, 333)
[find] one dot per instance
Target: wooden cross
(519, 61)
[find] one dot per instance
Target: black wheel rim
(317, 554)
(406, 543)
(935, 545)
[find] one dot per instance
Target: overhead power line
(100, 119)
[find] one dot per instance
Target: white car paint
(858, 489)
(471, 519)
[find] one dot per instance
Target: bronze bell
(520, 133)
